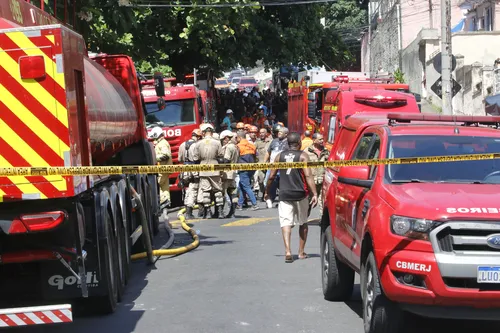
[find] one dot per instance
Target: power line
(225, 5)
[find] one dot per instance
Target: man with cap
(229, 118)
(230, 155)
(208, 151)
(163, 156)
(191, 179)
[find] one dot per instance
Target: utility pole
(446, 57)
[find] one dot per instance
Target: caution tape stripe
(154, 169)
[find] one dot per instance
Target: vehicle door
(350, 197)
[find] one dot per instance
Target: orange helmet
(196, 132)
(254, 129)
(240, 126)
(247, 126)
(280, 123)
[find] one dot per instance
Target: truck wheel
(380, 315)
(123, 258)
(337, 278)
(107, 304)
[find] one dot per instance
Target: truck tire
(380, 315)
(337, 278)
(107, 304)
(123, 257)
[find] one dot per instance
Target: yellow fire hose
(176, 251)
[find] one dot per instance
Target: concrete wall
(477, 46)
(384, 50)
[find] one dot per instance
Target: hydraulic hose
(176, 251)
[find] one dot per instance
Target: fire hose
(170, 252)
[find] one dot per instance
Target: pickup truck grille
(467, 237)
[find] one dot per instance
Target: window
(331, 128)
(482, 171)
(248, 81)
(175, 113)
(362, 148)
(374, 154)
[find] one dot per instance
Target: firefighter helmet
(254, 129)
(196, 132)
(155, 133)
(240, 125)
(277, 128)
(225, 134)
(247, 127)
(205, 127)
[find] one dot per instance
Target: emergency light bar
(380, 100)
(408, 117)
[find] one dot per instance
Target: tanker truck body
(67, 238)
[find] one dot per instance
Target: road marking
(247, 222)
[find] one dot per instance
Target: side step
(36, 315)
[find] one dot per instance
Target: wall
(477, 46)
(384, 50)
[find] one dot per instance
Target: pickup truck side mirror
(356, 175)
(159, 84)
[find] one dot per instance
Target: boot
(200, 211)
(220, 211)
(231, 211)
(207, 212)
(216, 215)
(189, 213)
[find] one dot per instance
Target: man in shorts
(294, 185)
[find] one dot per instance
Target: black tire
(123, 258)
(380, 315)
(337, 278)
(155, 206)
(107, 304)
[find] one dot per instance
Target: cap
(240, 125)
(196, 132)
(225, 134)
(229, 111)
(204, 127)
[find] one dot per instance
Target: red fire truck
(66, 237)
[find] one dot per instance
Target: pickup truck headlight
(411, 227)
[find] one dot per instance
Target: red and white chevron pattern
(52, 314)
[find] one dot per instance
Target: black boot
(189, 213)
(231, 211)
(220, 211)
(216, 215)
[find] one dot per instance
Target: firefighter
(208, 151)
(163, 156)
(190, 180)
(230, 155)
(261, 145)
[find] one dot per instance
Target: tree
(179, 39)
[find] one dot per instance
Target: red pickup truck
(425, 238)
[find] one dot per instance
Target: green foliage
(399, 76)
(175, 40)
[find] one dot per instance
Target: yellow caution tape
(155, 169)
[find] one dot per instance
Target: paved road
(236, 281)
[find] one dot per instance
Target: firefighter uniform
(190, 180)
(164, 156)
(316, 155)
(230, 155)
(261, 146)
(208, 151)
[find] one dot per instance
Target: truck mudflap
(50, 314)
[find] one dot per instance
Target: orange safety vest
(247, 151)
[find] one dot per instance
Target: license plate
(488, 274)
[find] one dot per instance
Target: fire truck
(67, 238)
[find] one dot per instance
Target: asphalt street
(236, 281)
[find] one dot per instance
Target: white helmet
(215, 136)
(206, 126)
(155, 133)
(226, 133)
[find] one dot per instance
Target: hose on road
(176, 251)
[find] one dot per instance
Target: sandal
(288, 259)
(304, 256)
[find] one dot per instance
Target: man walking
(207, 151)
(295, 185)
(191, 179)
(276, 146)
(261, 145)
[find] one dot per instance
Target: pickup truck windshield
(477, 172)
(179, 112)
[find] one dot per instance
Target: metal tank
(113, 119)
